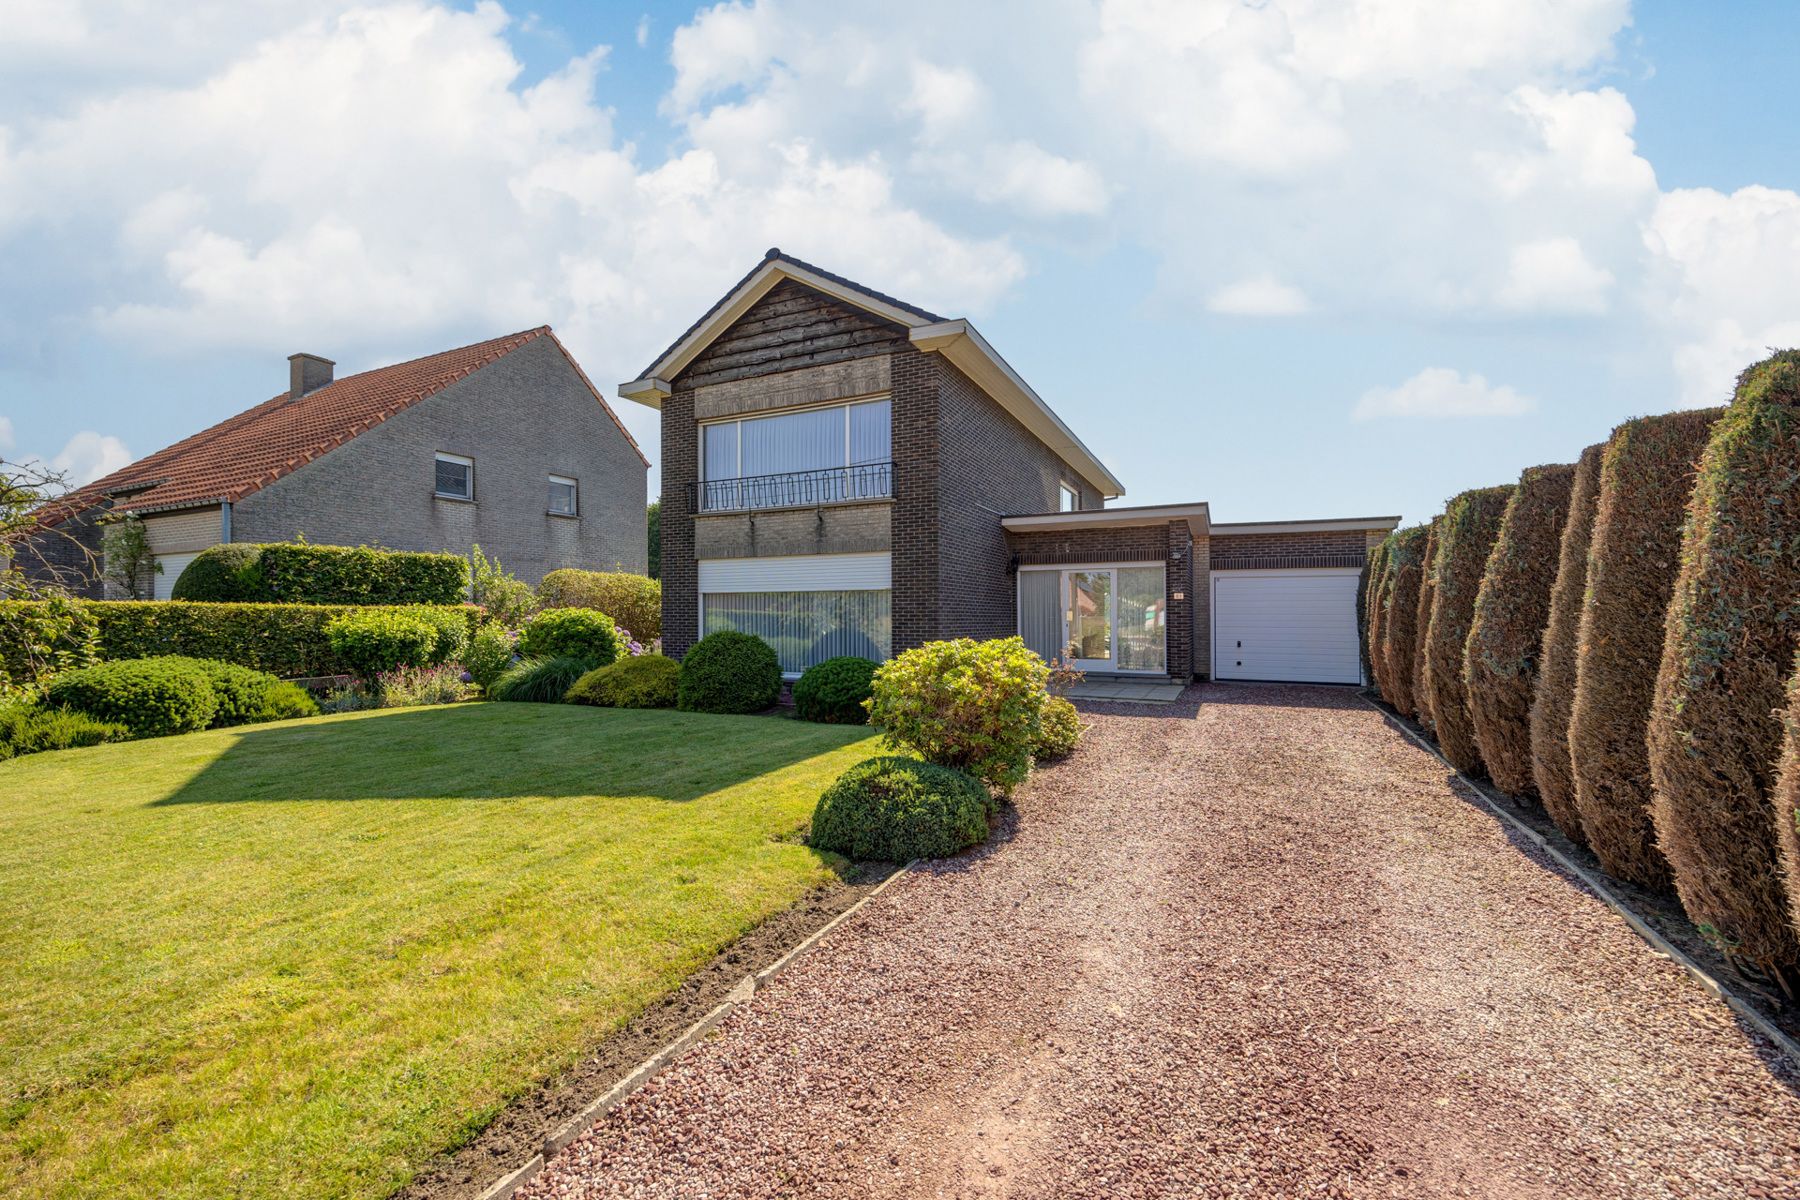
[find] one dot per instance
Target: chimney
(307, 373)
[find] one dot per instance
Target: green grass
(298, 959)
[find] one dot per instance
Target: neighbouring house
(504, 443)
(846, 473)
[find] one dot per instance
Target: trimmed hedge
(300, 573)
(1368, 611)
(1787, 798)
(647, 681)
(729, 672)
(372, 641)
(832, 692)
(1506, 638)
(1734, 619)
(633, 601)
(1471, 523)
(149, 696)
(1555, 699)
(1421, 677)
(1400, 612)
(1646, 477)
(221, 574)
(899, 809)
(571, 633)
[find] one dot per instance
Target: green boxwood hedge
(832, 692)
(300, 573)
(729, 672)
(899, 809)
(149, 696)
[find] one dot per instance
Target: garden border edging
(1784, 1045)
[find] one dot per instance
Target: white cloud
(1440, 392)
(1555, 276)
(1260, 296)
(7, 438)
(1043, 184)
(89, 455)
(642, 33)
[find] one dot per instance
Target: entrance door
(1088, 597)
(1099, 618)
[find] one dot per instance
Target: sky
(1297, 258)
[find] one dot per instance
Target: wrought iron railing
(794, 489)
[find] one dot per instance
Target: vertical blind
(806, 628)
(811, 440)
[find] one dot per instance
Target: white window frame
(460, 460)
(739, 419)
(574, 495)
(1068, 497)
(1112, 614)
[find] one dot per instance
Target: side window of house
(1071, 499)
(455, 477)
(562, 496)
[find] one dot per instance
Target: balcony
(794, 489)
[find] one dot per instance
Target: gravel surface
(1257, 945)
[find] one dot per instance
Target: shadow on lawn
(504, 751)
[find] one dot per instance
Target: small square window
(1070, 499)
(455, 477)
(562, 496)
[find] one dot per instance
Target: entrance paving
(1251, 944)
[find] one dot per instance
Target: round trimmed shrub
(974, 706)
(1729, 643)
(1551, 707)
(1471, 523)
(729, 672)
(375, 640)
(149, 696)
(571, 633)
(647, 681)
(1506, 637)
(1059, 730)
(1646, 476)
(1422, 705)
(634, 602)
(224, 573)
(539, 680)
(899, 809)
(832, 692)
(1399, 616)
(489, 653)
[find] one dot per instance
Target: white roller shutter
(163, 582)
(1296, 626)
(796, 573)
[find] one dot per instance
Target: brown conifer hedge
(1787, 798)
(1550, 767)
(1368, 609)
(1646, 477)
(1471, 522)
(1422, 707)
(1399, 618)
(1506, 638)
(1729, 644)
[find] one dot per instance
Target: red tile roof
(241, 454)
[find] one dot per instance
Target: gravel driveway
(1253, 947)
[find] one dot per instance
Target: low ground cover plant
(572, 633)
(836, 691)
(30, 728)
(646, 681)
(729, 672)
(1471, 523)
(539, 680)
(1059, 730)
(407, 687)
(898, 809)
(633, 601)
(1506, 635)
(974, 706)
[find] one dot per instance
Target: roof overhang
(1327, 525)
(1196, 515)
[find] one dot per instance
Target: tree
(27, 491)
(125, 556)
(654, 516)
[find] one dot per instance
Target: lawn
(299, 959)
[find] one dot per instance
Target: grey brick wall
(522, 418)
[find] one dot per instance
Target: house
(504, 443)
(846, 473)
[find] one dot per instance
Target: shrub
(1787, 797)
(286, 701)
(832, 692)
(1368, 610)
(1646, 476)
(633, 601)
(406, 687)
(30, 729)
(648, 681)
(1733, 621)
(149, 696)
(1059, 730)
(244, 695)
(450, 627)
(377, 640)
(729, 672)
(497, 592)
(489, 653)
(225, 573)
(1551, 707)
(1471, 522)
(975, 706)
(1506, 635)
(1421, 677)
(899, 809)
(1400, 609)
(572, 633)
(39, 639)
(539, 680)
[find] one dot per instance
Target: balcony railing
(794, 489)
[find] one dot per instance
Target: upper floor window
(562, 496)
(455, 477)
(1070, 500)
(813, 456)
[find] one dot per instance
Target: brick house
(846, 473)
(504, 443)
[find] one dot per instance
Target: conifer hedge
(1471, 522)
(1506, 637)
(1646, 477)
(1369, 612)
(1734, 619)
(1422, 706)
(1787, 798)
(1399, 618)
(1557, 671)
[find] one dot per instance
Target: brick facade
(1333, 548)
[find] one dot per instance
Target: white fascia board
(1196, 516)
(959, 342)
(1334, 525)
(648, 391)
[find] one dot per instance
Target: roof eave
(1198, 517)
(1323, 525)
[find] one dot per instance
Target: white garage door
(1295, 626)
(163, 582)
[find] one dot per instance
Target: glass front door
(1096, 618)
(1089, 595)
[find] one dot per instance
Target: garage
(1292, 625)
(170, 567)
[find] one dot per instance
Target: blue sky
(1297, 257)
